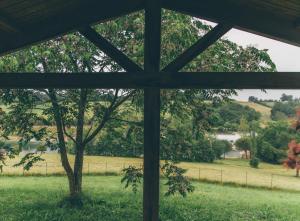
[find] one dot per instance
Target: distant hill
(264, 110)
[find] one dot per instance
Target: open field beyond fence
(223, 171)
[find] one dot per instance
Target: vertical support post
(151, 112)
(46, 168)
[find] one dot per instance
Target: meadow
(233, 171)
(39, 198)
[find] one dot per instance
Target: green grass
(38, 198)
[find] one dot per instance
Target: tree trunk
(246, 154)
(297, 171)
(78, 166)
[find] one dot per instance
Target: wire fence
(239, 177)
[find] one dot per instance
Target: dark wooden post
(152, 112)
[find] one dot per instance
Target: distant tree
(244, 128)
(293, 160)
(244, 144)
(281, 110)
(270, 154)
(232, 112)
(278, 134)
(253, 99)
(285, 97)
(221, 147)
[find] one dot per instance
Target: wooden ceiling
(277, 19)
(24, 22)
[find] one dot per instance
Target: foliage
(278, 134)
(282, 110)
(6, 151)
(268, 153)
(253, 99)
(132, 177)
(176, 181)
(284, 97)
(220, 147)
(293, 160)
(230, 115)
(244, 144)
(29, 160)
(254, 162)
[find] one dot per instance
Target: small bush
(254, 162)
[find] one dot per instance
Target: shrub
(270, 154)
(254, 162)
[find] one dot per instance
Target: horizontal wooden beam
(246, 18)
(85, 13)
(6, 22)
(109, 49)
(184, 80)
(200, 46)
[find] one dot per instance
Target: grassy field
(226, 171)
(38, 198)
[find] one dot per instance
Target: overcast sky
(285, 56)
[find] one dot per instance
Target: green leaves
(132, 177)
(176, 181)
(29, 160)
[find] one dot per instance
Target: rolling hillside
(265, 111)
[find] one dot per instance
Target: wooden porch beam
(200, 46)
(167, 80)
(110, 50)
(151, 112)
(9, 23)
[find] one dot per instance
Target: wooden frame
(164, 80)
(151, 78)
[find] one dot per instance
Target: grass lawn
(38, 198)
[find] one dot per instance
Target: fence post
(271, 181)
(105, 167)
(221, 176)
(46, 168)
(199, 173)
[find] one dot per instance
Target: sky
(285, 56)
